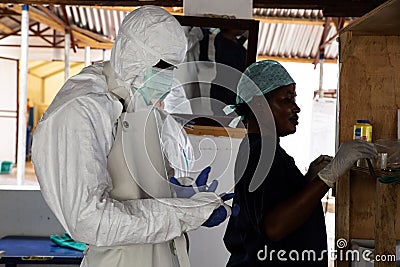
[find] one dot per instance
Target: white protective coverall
(75, 136)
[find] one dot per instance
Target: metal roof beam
(34, 15)
(15, 32)
(5, 28)
(84, 37)
(38, 33)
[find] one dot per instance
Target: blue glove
(183, 191)
(221, 213)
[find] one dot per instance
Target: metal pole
(321, 74)
(67, 45)
(23, 81)
(87, 56)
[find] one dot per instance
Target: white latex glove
(348, 153)
(316, 166)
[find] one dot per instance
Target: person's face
(282, 102)
(161, 65)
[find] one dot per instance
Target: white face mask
(157, 84)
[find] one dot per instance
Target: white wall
(8, 102)
(24, 212)
(323, 128)
(206, 244)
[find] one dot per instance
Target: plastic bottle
(362, 131)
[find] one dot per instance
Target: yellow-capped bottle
(363, 130)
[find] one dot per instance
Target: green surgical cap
(260, 78)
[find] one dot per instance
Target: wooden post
(342, 218)
(385, 219)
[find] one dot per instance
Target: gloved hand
(222, 212)
(316, 166)
(348, 153)
(183, 190)
(67, 241)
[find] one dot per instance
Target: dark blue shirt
(244, 237)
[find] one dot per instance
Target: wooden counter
(217, 131)
(210, 125)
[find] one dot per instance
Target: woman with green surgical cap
(281, 220)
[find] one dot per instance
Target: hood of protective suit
(146, 36)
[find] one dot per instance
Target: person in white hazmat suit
(73, 147)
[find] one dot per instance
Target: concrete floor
(11, 178)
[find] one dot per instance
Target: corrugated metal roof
(279, 38)
(292, 13)
(275, 39)
(294, 41)
(104, 21)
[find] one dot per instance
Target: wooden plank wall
(368, 209)
(369, 86)
(363, 203)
